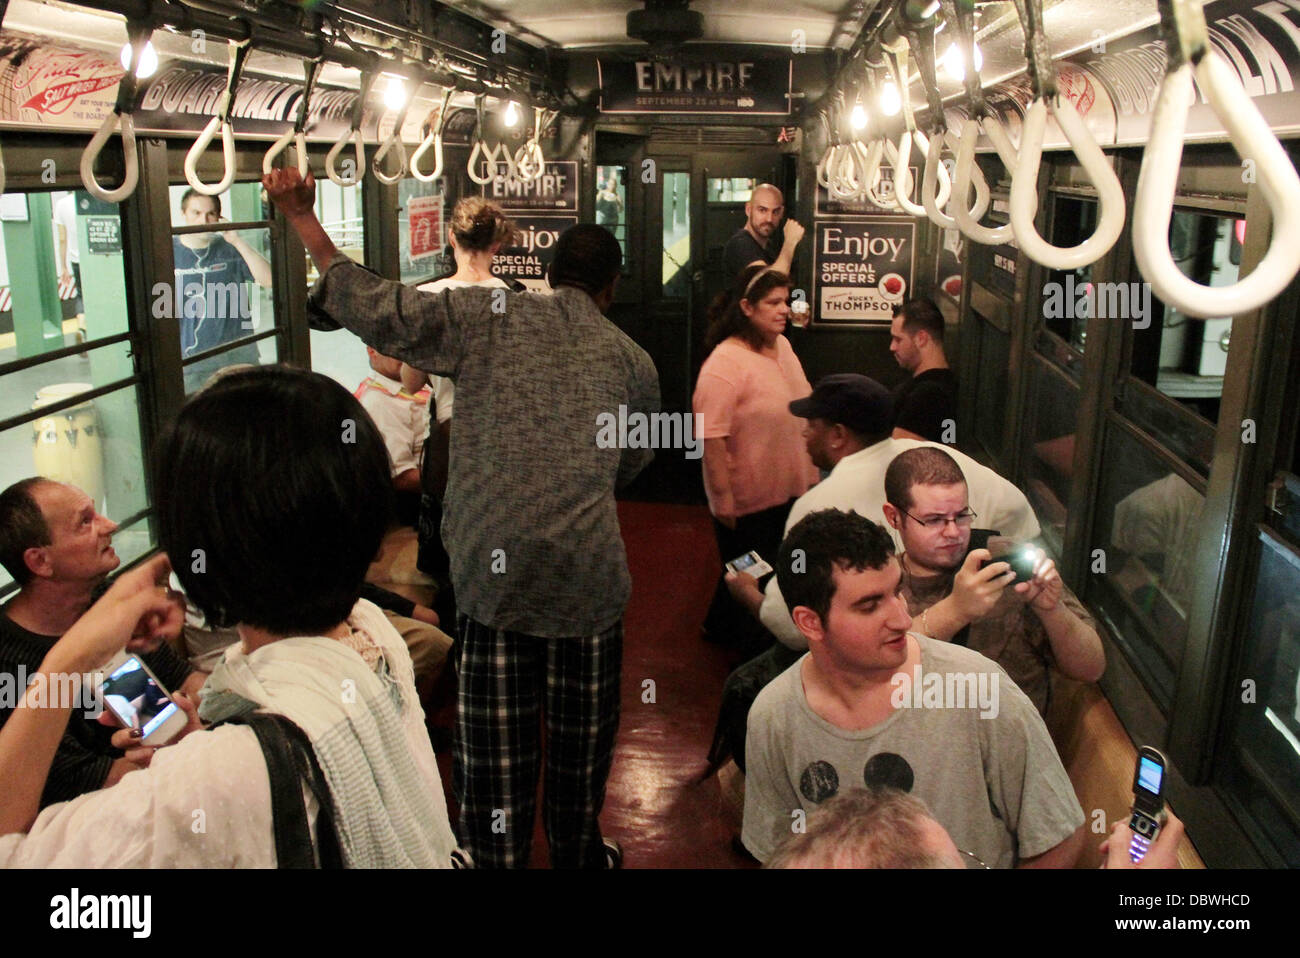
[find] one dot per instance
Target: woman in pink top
(755, 461)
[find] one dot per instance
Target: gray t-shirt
(994, 782)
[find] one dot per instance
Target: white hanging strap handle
(120, 117)
(239, 50)
(434, 139)
(1024, 184)
(888, 153)
(529, 160)
(394, 142)
(903, 173)
(1184, 25)
(297, 135)
(481, 150)
(897, 62)
(353, 133)
(966, 222)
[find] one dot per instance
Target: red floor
(656, 805)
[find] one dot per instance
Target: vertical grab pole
(1183, 24)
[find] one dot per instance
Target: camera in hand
(1022, 557)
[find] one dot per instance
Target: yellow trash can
(67, 445)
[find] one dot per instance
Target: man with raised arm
(751, 243)
(537, 559)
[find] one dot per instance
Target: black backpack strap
(290, 761)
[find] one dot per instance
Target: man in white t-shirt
(65, 235)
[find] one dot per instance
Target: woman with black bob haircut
(755, 461)
(272, 496)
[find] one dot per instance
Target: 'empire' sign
(746, 87)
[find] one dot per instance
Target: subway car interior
(1100, 198)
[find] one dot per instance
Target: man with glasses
(1026, 628)
(875, 704)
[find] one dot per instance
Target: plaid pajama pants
(504, 678)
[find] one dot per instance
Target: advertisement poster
(679, 85)
(528, 261)
(947, 267)
(425, 216)
(863, 268)
(828, 205)
(555, 190)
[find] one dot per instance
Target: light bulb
(512, 113)
(890, 101)
(954, 62)
(858, 117)
(395, 94)
(148, 64)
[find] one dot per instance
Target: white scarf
(367, 731)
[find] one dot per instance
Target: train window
(677, 235)
(1182, 357)
(992, 367)
(1147, 521)
(67, 247)
(1068, 295)
(1052, 412)
(730, 189)
(223, 281)
(611, 203)
(1261, 765)
(339, 210)
(421, 231)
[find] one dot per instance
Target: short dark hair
(726, 318)
(923, 466)
(22, 527)
(862, 828)
(192, 192)
(586, 256)
(282, 480)
(921, 314)
(827, 540)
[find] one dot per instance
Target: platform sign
(676, 84)
(424, 215)
(529, 259)
(864, 268)
(555, 190)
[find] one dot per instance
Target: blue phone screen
(1150, 775)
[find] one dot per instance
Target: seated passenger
(1027, 628)
(285, 546)
(925, 404)
(402, 418)
(872, 703)
(59, 550)
(848, 433)
(871, 828)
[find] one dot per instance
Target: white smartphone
(752, 563)
(139, 700)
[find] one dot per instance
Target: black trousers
(727, 623)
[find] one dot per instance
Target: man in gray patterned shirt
(530, 522)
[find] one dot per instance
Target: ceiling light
(148, 64)
(512, 113)
(395, 94)
(890, 101)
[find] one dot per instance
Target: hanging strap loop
(121, 118)
(353, 133)
(433, 139)
(481, 149)
(394, 142)
(297, 135)
(1183, 24)
(239, 50)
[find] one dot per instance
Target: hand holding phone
(1148, 801)
(750, 563)
(140, 702)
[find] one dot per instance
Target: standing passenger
(925, 405)
(755, 463)
(751, 243)
(537, 559)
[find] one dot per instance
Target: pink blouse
(744, 397)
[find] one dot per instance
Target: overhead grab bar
(353, 133)
(1183, 24)
(239, 50)
(961, 18)
(298, 134)
(394, 142)
(1024, 183)
(138, 36)
(481, 148)
(434, 139)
